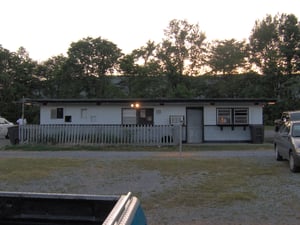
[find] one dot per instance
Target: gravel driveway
(278, 199)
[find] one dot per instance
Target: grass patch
(21, 169)
(200, 147)
(210, 182)
(269, 127)
(184, 182)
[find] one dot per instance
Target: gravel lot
(278, 200)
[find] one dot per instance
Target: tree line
(182, 65)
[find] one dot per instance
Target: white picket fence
(100, 134)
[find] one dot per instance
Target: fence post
(105, 134)
(20, 132)
(180, 139)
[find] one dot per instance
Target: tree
(182, 50)
(275, 43)
(289, 36)
(128, 65)
(264, 44)
(89, 61)
(17, 80)
(6, 81)
(291, 91)
(95, 57)
(141, 61)
(56, 80)
(227, 56)
(180, 53)
(141, 68)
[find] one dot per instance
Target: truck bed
(56, 209)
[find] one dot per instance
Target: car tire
(277, 154)
(292, 165)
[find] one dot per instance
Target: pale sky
(46, 28)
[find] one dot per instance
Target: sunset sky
(47, 27)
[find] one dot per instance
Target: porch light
(135, 105)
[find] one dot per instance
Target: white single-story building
(203, 120)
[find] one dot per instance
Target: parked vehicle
(287, 144)
(19, 208)
(4, 125)
(285, 117)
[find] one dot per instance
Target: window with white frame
(83, 113)
(240, 116)
(224, 116)
(232, 116)
(57, 113)
(129, 116)
(145, 116)
(176, 119)
(142, 116)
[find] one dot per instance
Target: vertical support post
(23, 109)
(180, 139)
(20, 132)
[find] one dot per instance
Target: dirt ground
(277, 199)
(277, 202)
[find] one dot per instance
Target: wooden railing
(100, 134)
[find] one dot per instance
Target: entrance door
(194, 124)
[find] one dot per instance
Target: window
(83, 113)
(176, 119)
(232, 116)
(68, 119)
(224, 116)
(296, 130)
(93, 119)
(137, 116)
(145, 116)
(129, 116)
(240, 116)
(57, 113)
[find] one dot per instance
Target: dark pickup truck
(19, 208)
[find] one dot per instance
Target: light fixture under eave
(135, 105)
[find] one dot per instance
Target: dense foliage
(183, 65)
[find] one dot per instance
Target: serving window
(143, 116)
(232, 116)
(224, 116)
(240, 116)
(57, 113)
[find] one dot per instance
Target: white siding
(216, 133)
(163, 113)
(112, 115)
(255, 115)
(93, 114)
(105, 114)
(212, 132)
(209, 115)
